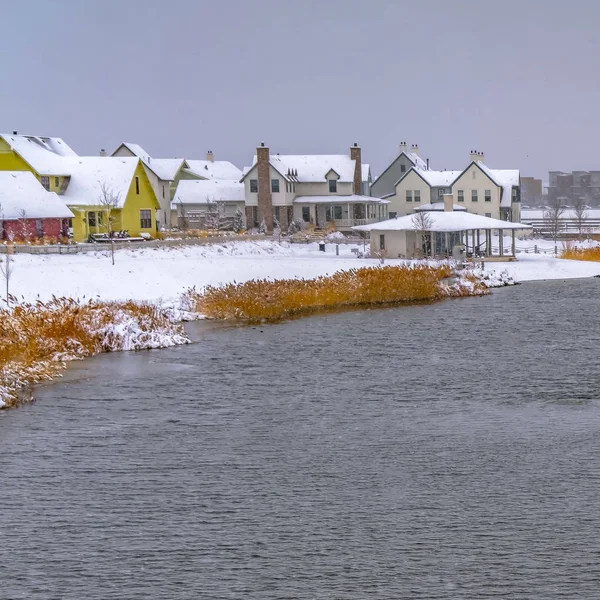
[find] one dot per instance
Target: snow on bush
(37, 340)
(335, 236)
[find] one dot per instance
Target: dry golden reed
(36, 340)
(572, 252)
(265, 300)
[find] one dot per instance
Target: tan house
(313, 189)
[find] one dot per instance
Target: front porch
(340, 212)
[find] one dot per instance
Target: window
(45, 181)
(56, 182)
(515, 195)
(99, 218)
(473, 195)
(137, 186)
(417, 194)
(338, 212)
(276, 214)
(306, 214)
(402, 168)
(461, 195)
(274, 185)
(39, 232)
(92, 219)
(163, 190)
(393, 215)
(382, 242)
(145, 218)
(409, 195)
(489, 215)
(440, 194)
(254, 186)
(332, 186)
(488, 195)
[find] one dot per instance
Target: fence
(121, 244)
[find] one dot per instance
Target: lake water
(442, 451)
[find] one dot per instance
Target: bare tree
(182, 217)
(552, 217)
(109, 201)
(6, 264)
(581, 214)
(215, 214)
(23, 227)
(422, 224)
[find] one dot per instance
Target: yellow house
(85, 183)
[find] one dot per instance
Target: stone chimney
(403, 147)
(415, 148)
(210, 156)
(355, 156)
(102, 152)
(265, 200)
(477, 156)
(448, 202)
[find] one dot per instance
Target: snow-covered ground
(161, 275)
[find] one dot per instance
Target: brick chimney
(448, 202)
(355, 156)
(265, 200)
(210, 156)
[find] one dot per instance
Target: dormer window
(332, 186)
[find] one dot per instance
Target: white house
(194, 200)
(316, 189)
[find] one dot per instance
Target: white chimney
(403, 147)
(102, 152)
(415, 148)
(210, 156)
(448, 202)
(478, 156)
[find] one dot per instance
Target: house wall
(27, 229)
(317, 188)
(192, 216)
(475, 179)
(398, 203)
(10, 161)
(397, 243)
(281, 198)
(145, 200)
(386, 182)
(162, 189)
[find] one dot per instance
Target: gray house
(386, 182)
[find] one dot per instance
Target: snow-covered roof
(334, 199)
(204, 191)
(167, 168)
(88, 173)
(21, 191)
(218, 169)
(438, 178)
(45, 155)
(569, 213)
(164, 168)
(312, 167)
(436, 206)
(413, 157)
(504, 178)
(443, 221)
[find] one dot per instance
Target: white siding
(412, 182)
(475, 179)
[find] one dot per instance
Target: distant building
(531, 191)
(570, 187)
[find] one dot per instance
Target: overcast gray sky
(515, 79)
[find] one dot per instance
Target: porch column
(447, 240)
(350, 216)
(501, 242)
(514, 244)
(478, 241)
(488, 242)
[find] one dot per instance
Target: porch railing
(354, 222)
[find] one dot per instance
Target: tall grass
(572, 252)
(265, 300)
(37, 340)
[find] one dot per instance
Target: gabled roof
(205, 191)
(433, 178)
(217, 169)
(164, 168)
(88, 173)
(413, 157)
(443, 221)
(311, 168)
(43, 154)
(21, 191)
(503, 178)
